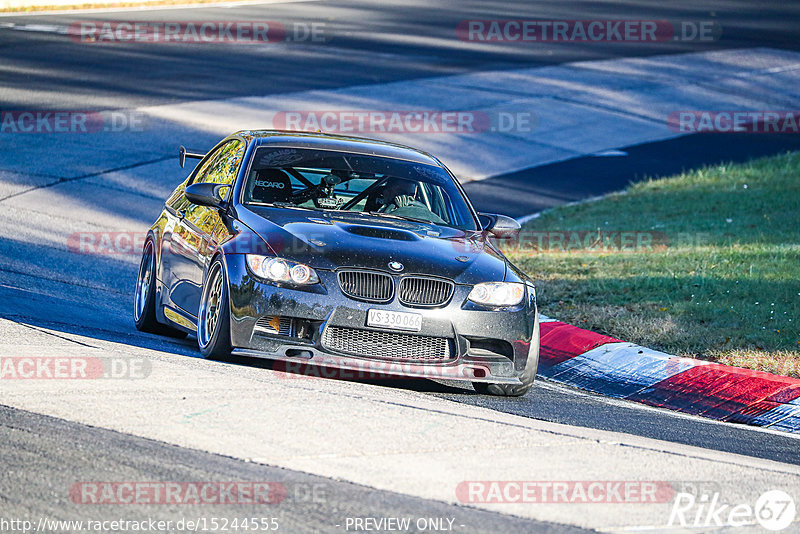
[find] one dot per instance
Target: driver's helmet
(399, 187)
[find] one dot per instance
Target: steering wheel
(411, 203)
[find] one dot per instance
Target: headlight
(497, 293)
(281, 270)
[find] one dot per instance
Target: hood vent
(381, 233)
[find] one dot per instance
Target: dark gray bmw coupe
(338, 252)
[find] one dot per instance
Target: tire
(144, 297)
(214, 315)
(527, 377)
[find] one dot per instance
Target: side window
(178, 201)
(202, 172)
(223, 167)
(220, 167)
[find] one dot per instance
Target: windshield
(341, 181)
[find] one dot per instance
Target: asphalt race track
(343, 448)
(365, 42)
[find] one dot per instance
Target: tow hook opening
(299, 353)
(478, 372)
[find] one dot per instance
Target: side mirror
(206, 194)
(501, 226)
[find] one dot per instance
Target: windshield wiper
(295, 206)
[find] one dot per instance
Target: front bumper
(305, 360)
(488, 345)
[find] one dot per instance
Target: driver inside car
(399, 198)
(398, 193)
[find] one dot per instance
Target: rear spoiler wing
(183, 154)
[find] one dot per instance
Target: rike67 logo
(774, 510)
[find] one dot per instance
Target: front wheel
(527, 377)
(214, 316)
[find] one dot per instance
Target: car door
(198, 229)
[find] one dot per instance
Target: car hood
(329, 240)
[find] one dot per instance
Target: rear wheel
(527, 377)
(214, 317)
(144, 298)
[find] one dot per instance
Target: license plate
(394, 320)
